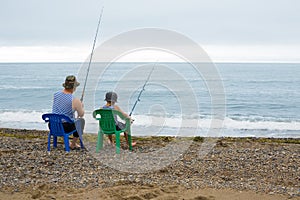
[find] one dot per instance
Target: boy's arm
(123, 113)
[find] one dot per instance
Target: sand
(142, 192)
(236, 168)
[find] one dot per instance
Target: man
(65, 103)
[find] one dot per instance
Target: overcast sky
(229, 30)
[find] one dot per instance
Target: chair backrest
(55, 123)
(107, 119)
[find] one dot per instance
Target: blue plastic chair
(57, 129)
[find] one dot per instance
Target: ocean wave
(228, 123)
(14, 87)
(23, 117)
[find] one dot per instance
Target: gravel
(269, 166)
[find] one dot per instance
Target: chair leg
(118, 143)
(49, 142)
(99, 141)
(66, 141)
(54, 141)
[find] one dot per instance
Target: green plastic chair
(107, 125)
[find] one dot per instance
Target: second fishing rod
(142, 90)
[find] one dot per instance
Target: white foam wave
(228, 123)
(22, 119)
(13, 87)
(21, 116)
(261, 125)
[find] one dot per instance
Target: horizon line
(254, 62)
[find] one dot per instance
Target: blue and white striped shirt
(62, 104)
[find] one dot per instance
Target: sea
(164, 99)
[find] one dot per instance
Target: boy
(111, 98)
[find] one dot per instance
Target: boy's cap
(111, 96)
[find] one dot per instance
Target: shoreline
(295, 140)
(235, 168)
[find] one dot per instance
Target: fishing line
(88, 69)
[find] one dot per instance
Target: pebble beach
(235, 168)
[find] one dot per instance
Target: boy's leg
(126, 137)
(110, 139)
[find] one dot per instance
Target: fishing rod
(88, 69)
(143, 88)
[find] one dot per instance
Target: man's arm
(78, 106)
